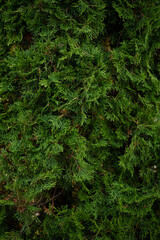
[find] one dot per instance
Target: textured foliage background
(79, 119)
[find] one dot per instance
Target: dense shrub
(79, 119)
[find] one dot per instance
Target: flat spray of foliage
(79, 119)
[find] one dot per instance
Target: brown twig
(119, 37)
(55, 196)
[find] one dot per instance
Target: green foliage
(79, 120)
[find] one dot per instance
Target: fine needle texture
(79, 120)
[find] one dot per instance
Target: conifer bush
(79, 119)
